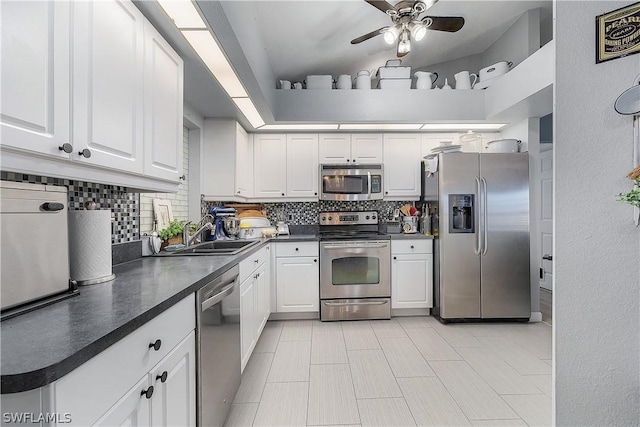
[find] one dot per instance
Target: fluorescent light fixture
(250, 111)
(463, 126)
(213, 57)
(300, 127)
(380, 126)
(183, 13)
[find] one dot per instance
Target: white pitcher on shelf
(423, 79)
(285, 84)
(463, 80)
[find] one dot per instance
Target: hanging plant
(632, 197)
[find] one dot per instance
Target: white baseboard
(536, 316)
(295, 316)
(399, 312)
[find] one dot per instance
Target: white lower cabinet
(255, 301)
(412, 274)
(134, 389)
(163, 397)
(297, 277)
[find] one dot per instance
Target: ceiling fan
(407, 24)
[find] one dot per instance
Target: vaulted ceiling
(268, 40)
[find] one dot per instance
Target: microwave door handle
(369, 185)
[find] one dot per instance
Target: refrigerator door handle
(477, 247)
(486, 218)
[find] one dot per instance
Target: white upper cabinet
(93, 85)
(334, 148)
(366, 148)
(270, 166)
(354, 148)
(227, 161)
(108, 96)
(302, 165)
(402, 165)
(163, 107)
(35, 76)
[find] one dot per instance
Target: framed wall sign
(618, 33)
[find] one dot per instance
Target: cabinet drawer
(252, 262)
(422, 246)
(297, 249)
(94, 387)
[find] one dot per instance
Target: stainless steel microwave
(351, 182)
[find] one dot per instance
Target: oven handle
(342, 304)
(358, 246)
(369, 185)
(210, 302)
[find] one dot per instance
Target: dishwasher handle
(225, 292)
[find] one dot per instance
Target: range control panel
(348, 218)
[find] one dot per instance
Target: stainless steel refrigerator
(481, 252)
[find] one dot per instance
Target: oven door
(355, 269)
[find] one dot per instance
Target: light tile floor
(398, 372)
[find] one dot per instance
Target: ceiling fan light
(404, 45)
(390, 35)
(418, 32)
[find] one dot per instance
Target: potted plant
(632, 197)
(172, 235)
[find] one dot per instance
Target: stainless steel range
(355, 267)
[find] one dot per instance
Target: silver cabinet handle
(477, 246)
(342, 304)
(86, 153)
(486, 218)
(210, 302)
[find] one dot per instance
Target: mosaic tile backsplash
(124, 205)
(306, 213)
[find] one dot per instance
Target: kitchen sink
(216, 247)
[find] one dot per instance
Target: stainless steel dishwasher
(218, 347)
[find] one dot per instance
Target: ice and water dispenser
(462, 213)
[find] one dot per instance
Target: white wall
(597, 247)
(179, 200)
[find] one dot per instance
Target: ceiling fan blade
(444, 23)
(367, 36)
(381, 5)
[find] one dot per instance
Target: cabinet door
(174, 381)
(412, 281)
(366, 148)
(133, 409)
(334, 148)
(261, 292)
(270, 161)
(402, 165)
(302, 166)
(108, 84)
(247, 319)
(244, 163)
(297, 284)
(163, 137)
(35, 76)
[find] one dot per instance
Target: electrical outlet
(290, 217)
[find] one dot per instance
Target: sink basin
(216, 247)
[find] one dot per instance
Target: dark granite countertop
(41, 346)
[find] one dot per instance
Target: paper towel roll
(90, 246)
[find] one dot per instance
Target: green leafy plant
(632, 197)
(174, 228)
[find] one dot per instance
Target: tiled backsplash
(123, 204)
(306, 213)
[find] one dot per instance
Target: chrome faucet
(186, 240)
